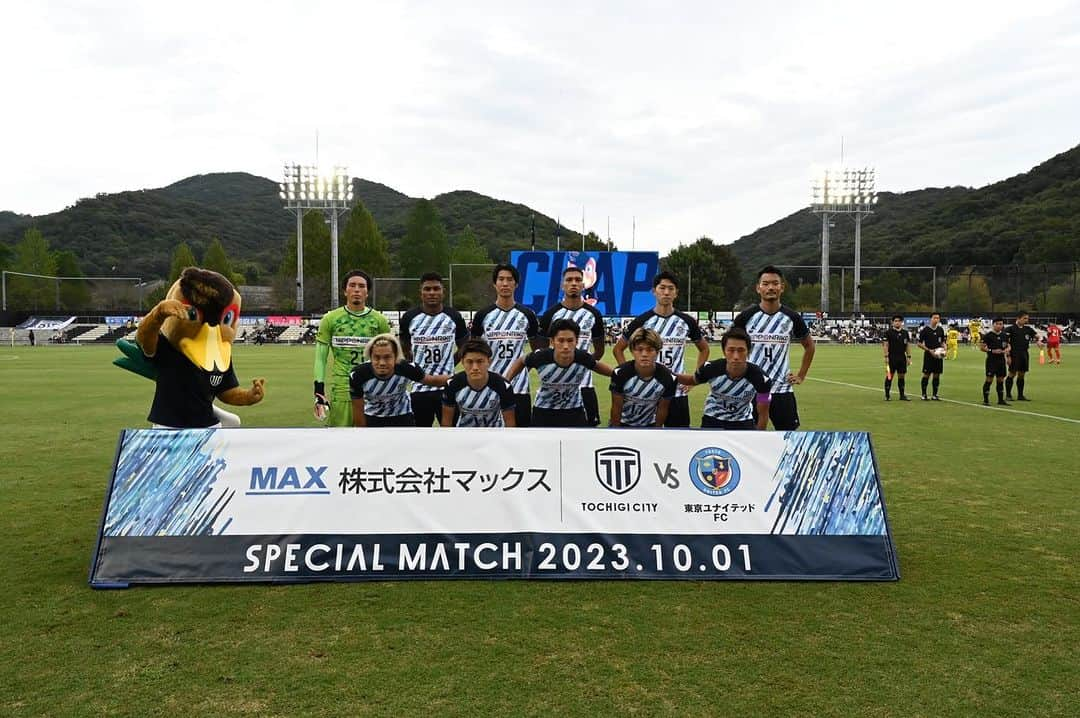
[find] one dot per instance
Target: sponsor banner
(118, 321)
(47, 323)
(365, 504)
(284, 321)
(616, 283)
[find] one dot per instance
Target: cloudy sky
(694, 118)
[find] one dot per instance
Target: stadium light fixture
(842, 190)
(305, 188)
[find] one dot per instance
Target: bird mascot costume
(185, 345)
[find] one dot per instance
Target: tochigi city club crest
(714, 471)
(618, 468)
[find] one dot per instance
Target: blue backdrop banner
(618, 284)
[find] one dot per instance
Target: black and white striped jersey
(770, 338)
(588, 318)
(483, 407)
(433, 339)
(384, 397)
(507, 332)
(640, 395)
(675, 331)
(731, 399)
(560, 387)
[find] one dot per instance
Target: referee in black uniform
(1020, 336)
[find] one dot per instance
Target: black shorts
(995, 366)
(783, 411)
(898, 365)
(427, 407)
(399, 420)
(1020, 362)
(711, 422)
(592, 405)
(559, 417)
(932, 364)
(523, 410)
(678, 413)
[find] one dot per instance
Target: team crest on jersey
(714, 471)
(215, 379)
(618, 468)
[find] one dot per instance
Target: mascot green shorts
(340, 413)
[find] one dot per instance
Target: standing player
(1020, 336)
(996, 345)
(591, 326)
(379, 386)
(738, 390)
(479, 396)
(430, 337)
(344, 331)
(952, 343)
(675, 329)
(642, 389)
(975, 332)
(561, 369)
(771, 326)
(506, 326)
(897, 348)
(1053, 343)
(932, 342)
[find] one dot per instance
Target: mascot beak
(207, 349)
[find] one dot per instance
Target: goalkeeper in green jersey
(344, 331)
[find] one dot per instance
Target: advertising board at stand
(618, 284)
(288, 505)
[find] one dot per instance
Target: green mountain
(1031, 218)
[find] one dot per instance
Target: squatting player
(430, 337)
(477, 395)
(642, 389)
(344, 331)
(897, 348)
(932, 342)
(996, 345)
(771, 326)
(380, 386)
(506, 326)
(738, 389)
(591, 326)
(561, 369)
(675, 329)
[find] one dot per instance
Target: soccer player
(975, 329)
(344, 331)
(1020, 336)
(996, 345)
(897, 348)
(931, 339)
(642, 389)
(738, 389)
(771, 326)
(675, 329)
(952, 343)
(506, 326)
(379, 386)
(591, 325)
(561, 369)
(1053, 343)
(479, 396)
(430, 337)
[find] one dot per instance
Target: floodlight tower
(842, 190)
(305, 188)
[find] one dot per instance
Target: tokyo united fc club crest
(618, 468)
(714, 471)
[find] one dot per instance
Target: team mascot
(185, 345)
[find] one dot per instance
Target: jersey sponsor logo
(618, 468)
(432, 338)
(714, 472)
(497, 334)
(347, 341)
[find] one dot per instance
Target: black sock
(986, 391)
(888, 386)
(1019, 386)
(937, 381)
(900, 385)
(1000, 392)
(1008, 385)
(925, 381)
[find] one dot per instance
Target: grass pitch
(982, 504)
